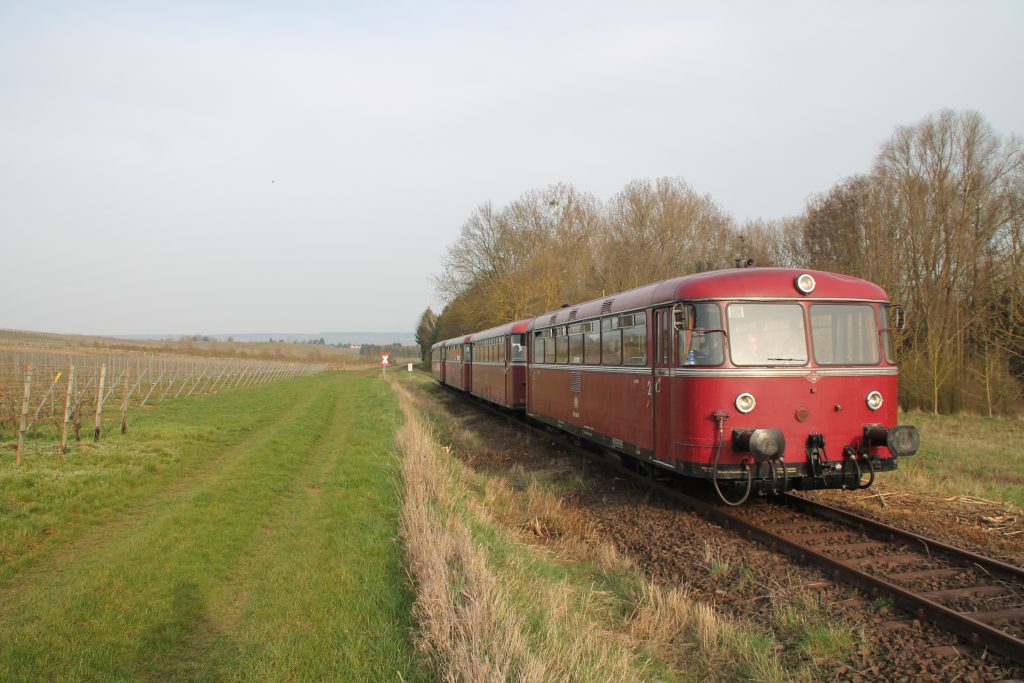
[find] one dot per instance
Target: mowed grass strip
(334, 530)
(275, 564)
(51, 500)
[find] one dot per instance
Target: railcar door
(661, 382)
(506, 361)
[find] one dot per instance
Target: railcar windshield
(767, 334)
(844, 334)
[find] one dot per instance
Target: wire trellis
(70, 389)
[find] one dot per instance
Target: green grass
(244, 536)
(965, 455)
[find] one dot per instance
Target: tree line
(937, 221)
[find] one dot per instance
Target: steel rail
(866, 524)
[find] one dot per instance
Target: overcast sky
(203, 167)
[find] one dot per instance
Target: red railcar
(755, 378)
(437, 366)
(763, 378)
(499, 364)
(456, 362)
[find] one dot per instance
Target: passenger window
(592, 343)
(611, 342)
(538, 349)
(549, 350)
(575, 349)
(562, 344)
(634, 345)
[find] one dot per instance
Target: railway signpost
(384, 364)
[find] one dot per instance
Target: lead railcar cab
(758, 379)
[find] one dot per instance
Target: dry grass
(481, 620)
(496, 563)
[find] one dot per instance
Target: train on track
(760, 380)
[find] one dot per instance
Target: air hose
(871, 469)
(785, 474)
(714, 473)
(856, 466)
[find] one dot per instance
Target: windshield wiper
(792, 360)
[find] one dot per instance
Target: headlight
(745, 403)
(874, 400)
(805, 283)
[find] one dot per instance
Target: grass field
(964, 455)
(255, 535)
(265, 350)
(249, 535)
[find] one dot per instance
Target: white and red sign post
(384, 364)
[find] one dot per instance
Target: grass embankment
(512, 584)
(247, 535)
(965, 456)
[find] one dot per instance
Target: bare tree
(661, 229)
(945, 186)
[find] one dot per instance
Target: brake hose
(714, 473)
(871, 469)
(856, 466)
(785, 475)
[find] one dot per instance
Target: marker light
(805, 283)
(745, 403)
(874, 400)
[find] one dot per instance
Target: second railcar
(499, 364)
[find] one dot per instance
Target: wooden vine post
(23, 427)
(124, 405)
(99, 403)
(67, 412)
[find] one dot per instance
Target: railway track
(977, 598)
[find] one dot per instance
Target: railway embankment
(597, 540)
(816, 622)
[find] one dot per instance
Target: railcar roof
(461, 339)
(518, 327)
(758, 283)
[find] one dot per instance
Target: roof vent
(606, 306)
(553, 317)
(572, 314)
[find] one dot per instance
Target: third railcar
(757, 379)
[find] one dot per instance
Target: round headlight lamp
(745, 403)
(805, 283)
(874, 400)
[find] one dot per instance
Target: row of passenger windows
(761, 334)
(617, 340)
(490, 350)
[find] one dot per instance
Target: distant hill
(407, 338)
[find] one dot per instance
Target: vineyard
(65, 391)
